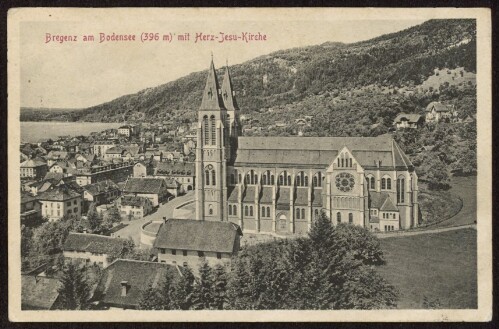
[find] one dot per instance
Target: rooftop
(144, 185)
(186, 234)
(92, 243)
(138, 275)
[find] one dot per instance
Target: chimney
(124, 288)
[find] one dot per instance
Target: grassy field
(440, 266)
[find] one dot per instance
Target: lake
(34, 131)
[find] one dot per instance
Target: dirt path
(431, 230)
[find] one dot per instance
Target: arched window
(302, 213)
(383, 183)
(338, 162)
(289, 180)
(213, 130)
(400, 190)
(297, 213)
(338, 217)
(306, 180)
(230, 210)
(210, 210)
(350, 218)
(256, 179)
(234, 210)
(272, 179)
(350, 164)
(298, 180)
(239, 180)
(281, 180)
(388, 183)
(264, 179)
(206, 131)
(314, 181)
(247, 178)
(232, 179)
(213, 178)
(245, 210)
(393, 216)
(207, 177)
(251, 210)
(373, 183)
(268, 211)
(316, 213)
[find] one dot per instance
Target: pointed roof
(228, 94)
(212, 100)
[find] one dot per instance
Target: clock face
(345, 182)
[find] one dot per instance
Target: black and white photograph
(165, 163)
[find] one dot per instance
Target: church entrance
(282, 224)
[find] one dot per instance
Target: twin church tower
(217, 133)
(281, 184)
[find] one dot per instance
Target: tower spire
(212, 100)
(228, 94)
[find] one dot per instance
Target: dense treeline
(333, 268)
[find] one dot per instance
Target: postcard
(249, 164)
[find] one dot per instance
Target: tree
(219, 288)
(331, 269)
(124, 251)
(436, 175)
(182, 289)
(74, 291)
(112, 216)
(94, 220)
(202, 294)
(158, 298)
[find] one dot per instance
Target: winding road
(463, 187)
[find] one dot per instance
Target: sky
(82, 74)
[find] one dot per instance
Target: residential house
(65, 168)
(186, 242)
(122, 283)
(30, 208)
(155, 189)
(173, 156)
(404, 120)
(103, 192)
(91, 248)
(189, 143)
(143, 169)
(55, 156)
(125, 130)
(101, 146)
(134, 207)
(436, 111)
(33, 169)
(184, 173)
(115, 152)
(60, 201)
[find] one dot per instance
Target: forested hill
(386, 64)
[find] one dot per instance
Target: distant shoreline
(34, 131)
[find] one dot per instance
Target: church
(280, 184)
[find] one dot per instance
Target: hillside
(316, 76)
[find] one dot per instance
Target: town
(137, 208)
